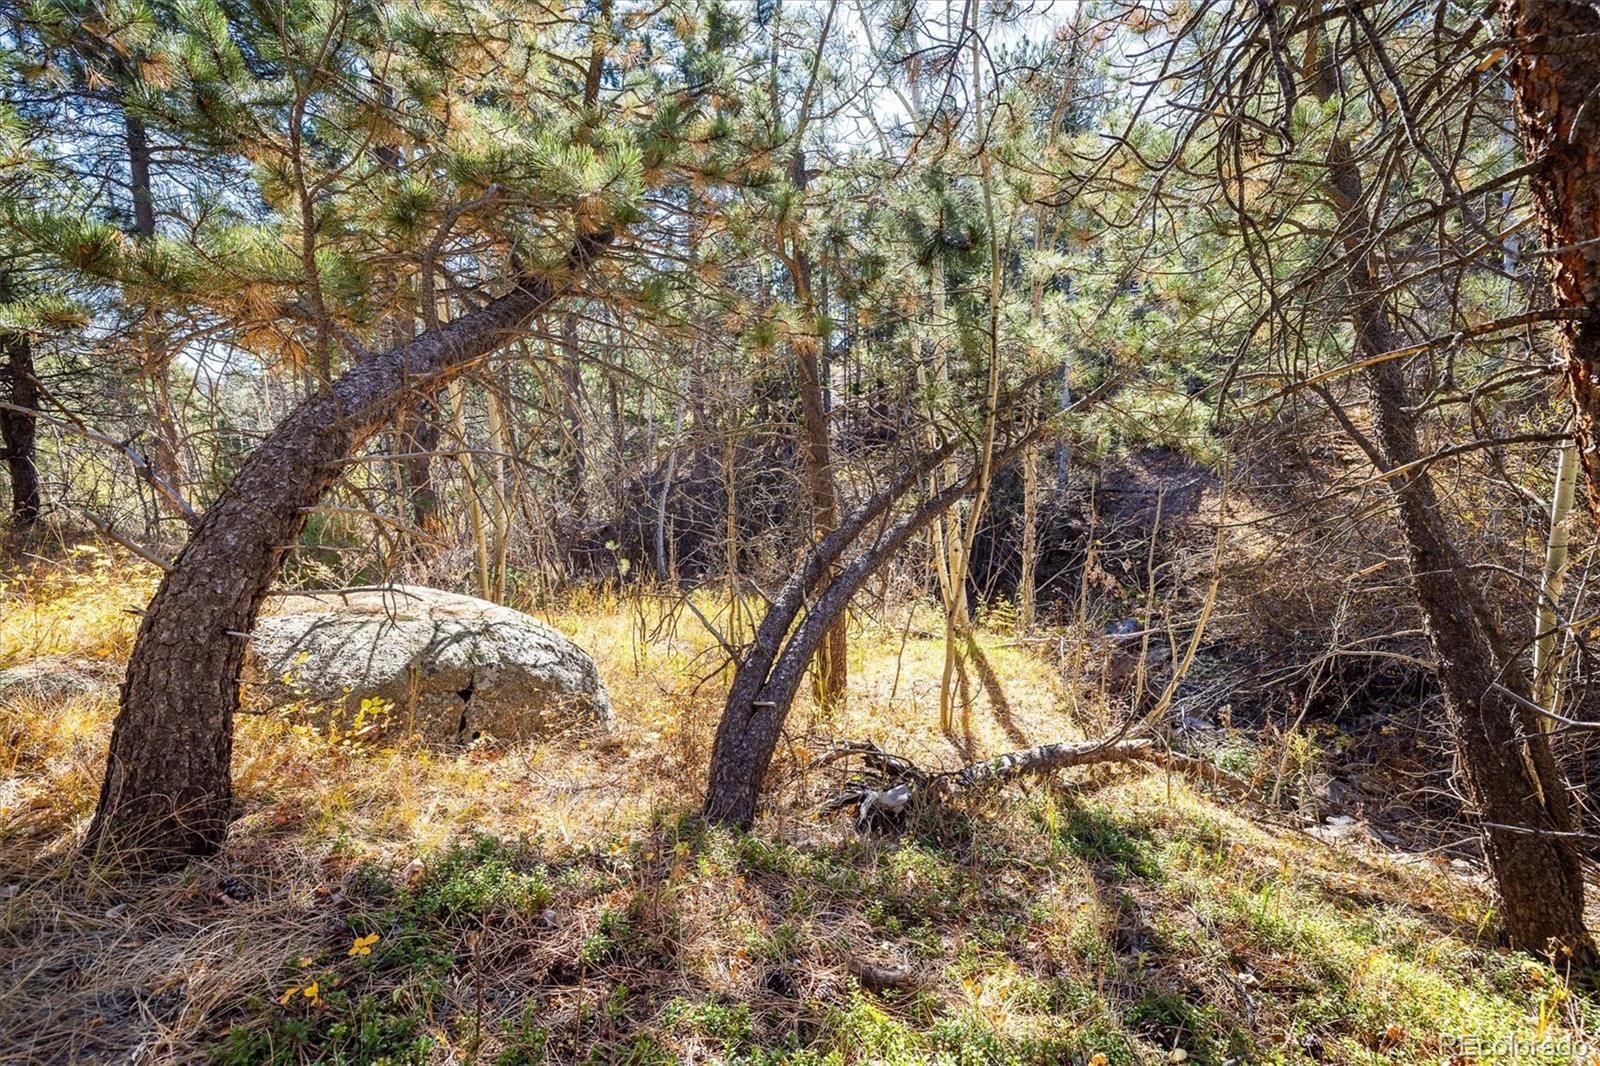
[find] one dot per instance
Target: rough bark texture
(167, 791)
(419, 439)
(1555, 75)
(144, 205)
(766, 681)
(18, 429)
(1511, 776)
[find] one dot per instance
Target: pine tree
(508, 193)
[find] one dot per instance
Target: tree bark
(419, 440)
(166, 453)
(1554, 75)
(167, 791)
(1547, 629)
(766, 680)
(19, 428)
(144, 204)
(576, 443)
(832, 668)
(1510, 772)
(831, 673)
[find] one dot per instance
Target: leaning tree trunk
(766, 680)
(167, 790)
(19, 426)
(1555, 76)
(1512, 779)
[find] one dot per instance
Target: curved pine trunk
(167, 791)
(768, 677)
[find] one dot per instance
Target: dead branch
(893, 785)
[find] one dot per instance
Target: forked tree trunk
(19, 426)
(766, 680)
(1512, 779)
(167, 791)
(1555, 76)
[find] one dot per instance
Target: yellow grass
(1124, 915)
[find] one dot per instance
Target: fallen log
(1049, 757)
(892, 786)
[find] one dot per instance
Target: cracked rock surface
(455, 668)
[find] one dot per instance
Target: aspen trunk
(1547, 615)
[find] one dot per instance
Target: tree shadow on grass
(999, 702)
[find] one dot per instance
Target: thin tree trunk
(1028, 577)
(469, 482)
(144, 204)
(167, 791)
(576, 443)
(500, 444)
(1555, 74)
(19, 428)
(1547, 615)
(730, 514)
(419, 440)
(961, 563)
(166, 455)
(831, 668)
(664, 568)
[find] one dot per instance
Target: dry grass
(558, 902)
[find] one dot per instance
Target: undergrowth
(561, 903)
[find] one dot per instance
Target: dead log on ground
(893, 786)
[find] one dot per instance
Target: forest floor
(560, 902)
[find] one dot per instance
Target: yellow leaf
(289, 994)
